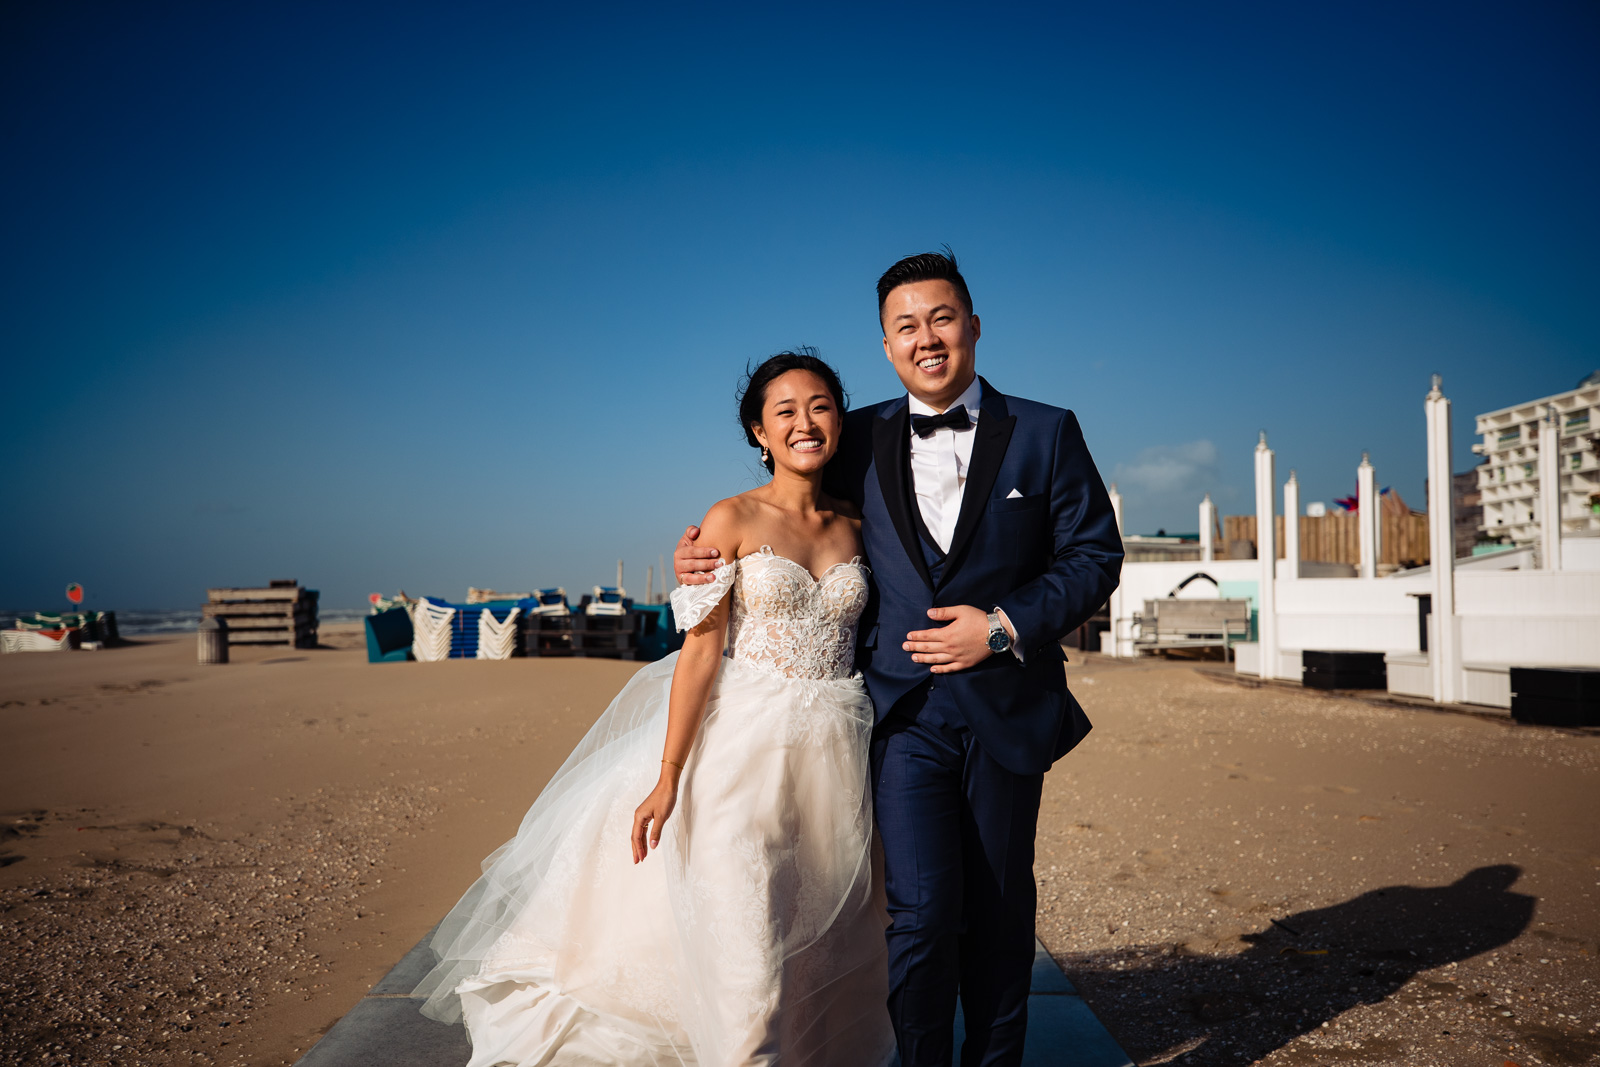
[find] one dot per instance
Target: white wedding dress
(754, 934)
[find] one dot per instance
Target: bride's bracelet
(674, 762)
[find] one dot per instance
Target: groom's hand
(963, 642)
(693, 564)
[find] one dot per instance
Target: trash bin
(213, 641)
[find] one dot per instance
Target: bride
(731, 917)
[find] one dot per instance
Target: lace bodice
(783, 620)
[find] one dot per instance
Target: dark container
(1334, 669)
(1347, 662)
(1556, 696)
(1562, 683)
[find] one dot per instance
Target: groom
(990, 536)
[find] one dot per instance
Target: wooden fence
(1337, 538)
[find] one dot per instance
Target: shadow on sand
(1307, 968)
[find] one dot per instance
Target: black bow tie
(956, 418)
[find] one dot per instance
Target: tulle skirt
(753, 935)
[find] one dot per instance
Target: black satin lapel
(891, 451)
(988, 452)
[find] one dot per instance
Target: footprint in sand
(150, 826)
(131, 687)
(1236, 772)
(15, 826)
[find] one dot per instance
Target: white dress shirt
(939, 465)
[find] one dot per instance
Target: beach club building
(1522, 615)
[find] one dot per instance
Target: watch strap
(996, 626)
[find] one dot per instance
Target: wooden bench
(1173, 623)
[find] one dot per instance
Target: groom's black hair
(752, 392)
(923, 267)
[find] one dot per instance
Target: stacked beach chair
(90, 625)
(547, 626)
(431, 629)
(606, 625)
(442, 630)
(47, 631)
(38, 640)
(497, 637)
(282, 613)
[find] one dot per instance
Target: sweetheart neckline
(766, 552)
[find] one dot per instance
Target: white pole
(1444, 650)
(1267, 556)
(619, 574)
(1121, 645)
(1367, 518)
(1291, 527)
(1549, 491)
(649, 583)
(1208, 522)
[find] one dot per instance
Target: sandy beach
(212, 864)
(1245, 874)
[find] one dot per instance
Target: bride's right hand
(650, 816)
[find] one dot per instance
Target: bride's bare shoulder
(733, 511)
(725, 524)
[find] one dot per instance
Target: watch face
(998, 641)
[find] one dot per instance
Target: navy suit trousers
(958, 836)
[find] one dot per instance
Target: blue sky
(428, 297)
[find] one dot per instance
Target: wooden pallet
(280, 614)
(606, 636)
(598, 636)
(547, 635)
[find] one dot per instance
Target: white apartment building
(1509, 476)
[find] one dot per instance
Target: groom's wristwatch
(999, 640)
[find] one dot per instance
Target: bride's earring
(765, 455)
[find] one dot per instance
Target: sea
(182, 620)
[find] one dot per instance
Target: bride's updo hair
(752, 391)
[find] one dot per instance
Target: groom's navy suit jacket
(1036, 536)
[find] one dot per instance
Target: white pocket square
(1013, 495)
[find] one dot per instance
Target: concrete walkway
(386, 1030)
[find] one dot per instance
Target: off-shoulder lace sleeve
(692, 603)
